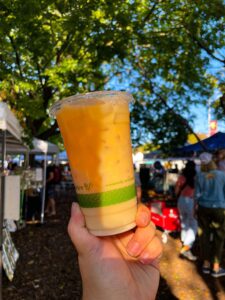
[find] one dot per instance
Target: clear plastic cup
(96, 131)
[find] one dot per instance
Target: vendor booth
(13, 186)
(10, 137)
(35, 178)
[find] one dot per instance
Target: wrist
(109, 293)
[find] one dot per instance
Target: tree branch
(17, 55)
(222, 102)
(47, 91)
(63, 47)
(150, 12)
(170, 109)
(204, 47)
(49, 132)
(183, 121)
(60, 51)
(39, 75)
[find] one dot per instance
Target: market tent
(10, 130)
(212, 143)
(40, 146)
(10, 136)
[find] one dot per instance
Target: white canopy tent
(11, 142)
(10, 136)
(40, 146)
(11, 131)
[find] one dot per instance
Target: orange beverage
(96, 131)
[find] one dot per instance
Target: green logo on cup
(107, 198)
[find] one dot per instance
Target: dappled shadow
(164, 292)
(215, 285)
(185, 279)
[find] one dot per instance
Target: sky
(203, 114)
(200, 123)
(201, 120)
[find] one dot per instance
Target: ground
(48, 269)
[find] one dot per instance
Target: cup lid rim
(89, 95)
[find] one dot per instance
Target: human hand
(123, 266)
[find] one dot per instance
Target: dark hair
(158, 165)
(189, 173)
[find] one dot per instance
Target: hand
(123, 266)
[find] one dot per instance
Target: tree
(52, 49)
(171, 65)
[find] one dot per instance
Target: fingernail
(145, 259)
(133, 249)
(145, 218)
(74, 207)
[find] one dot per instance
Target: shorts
(50, 191)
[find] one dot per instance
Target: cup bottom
(114, 230)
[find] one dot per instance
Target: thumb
(78, 232)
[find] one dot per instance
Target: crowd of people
(200, 194)
(201, 204)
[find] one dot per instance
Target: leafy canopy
(161, 51)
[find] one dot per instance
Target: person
(184, 190)
(210, 197)
(50, 191)
(158, 177)
(123, 266)
(57, 179)
(220, 159)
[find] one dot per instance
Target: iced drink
(96, 131)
